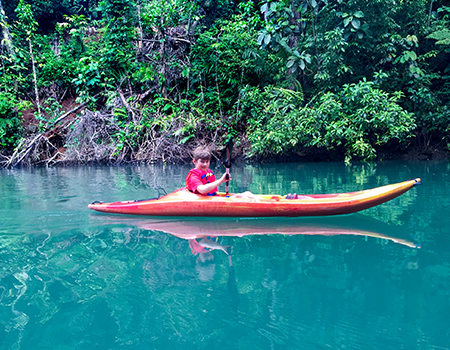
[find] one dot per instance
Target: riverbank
(81, 136)
(190, 75)
(59, 157)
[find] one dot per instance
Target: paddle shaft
(226, 184)
(228, 170)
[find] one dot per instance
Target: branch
(125, 103)
(65, 115)
(172, 37)
(183, 40)
(27, 150)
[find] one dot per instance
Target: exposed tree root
(35, 150)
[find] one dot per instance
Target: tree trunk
(163, 59)
(140, 30)
(35, 78)
(7, 41)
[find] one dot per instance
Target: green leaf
(442, 37)
(302, 64)
(91, 81)
(273, 6)
(284, 44)
(186, 139)
(347, 21)
(356, 23)
(412, 55)
(261, 38)
(264, 7)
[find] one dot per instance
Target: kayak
(184, 203)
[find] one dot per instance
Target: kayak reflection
(204, 236)
(198, 230)
(193, 228)
(207, 235)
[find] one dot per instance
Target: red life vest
(197, 177)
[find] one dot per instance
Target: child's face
(201, 164)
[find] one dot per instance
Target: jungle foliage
(342, 79)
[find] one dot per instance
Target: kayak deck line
(181, 202)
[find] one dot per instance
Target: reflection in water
(205, 266)
(206, 244)
(203, 237)
(194, 229)
(205, 261)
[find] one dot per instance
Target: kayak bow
(184, 203)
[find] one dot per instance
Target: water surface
(71, 278)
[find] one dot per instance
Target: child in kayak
(201, 179)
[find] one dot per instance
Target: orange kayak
(184, 203)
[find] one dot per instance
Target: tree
(7, 40)
(119, 35)
(28, 25)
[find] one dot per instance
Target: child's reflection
(205, 262)
(206, 267)
(206, 244)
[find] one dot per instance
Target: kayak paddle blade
(226, 153)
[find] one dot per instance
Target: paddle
(231, 283)
(226, 159)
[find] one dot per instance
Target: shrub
(357, 120)
(10, 123)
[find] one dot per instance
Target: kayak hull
(184, 203)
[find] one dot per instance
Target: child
(201, 179)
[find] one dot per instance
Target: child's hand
(224, 178)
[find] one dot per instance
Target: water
(71, 278)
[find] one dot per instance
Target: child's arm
(203, 189)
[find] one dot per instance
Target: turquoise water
(71, 278)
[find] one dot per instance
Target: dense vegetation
(335, 79)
